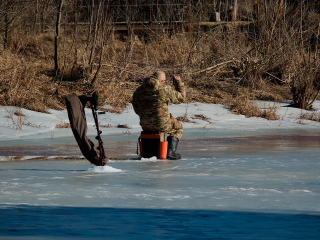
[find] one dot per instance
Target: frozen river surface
(239, 188)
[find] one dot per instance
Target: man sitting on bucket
(150, 101)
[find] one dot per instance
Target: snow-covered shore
(37, 126)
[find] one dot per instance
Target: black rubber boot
(172, 147)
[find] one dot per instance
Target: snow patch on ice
(152, 159)
(104, 169)
(250, 189)
(302, 190)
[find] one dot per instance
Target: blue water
(29, 222)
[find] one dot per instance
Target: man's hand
(175, 78)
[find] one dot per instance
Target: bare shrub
(201, 117)
(245, 107)
(19, 113)
(105, 125)
(185, 118)
(27, 123)
(63, 125)
(310, 116)
(18, 158)
(305, 86)
(16, 123)
(271, 113)
(123, 126)
(117, 110)
(249, 109)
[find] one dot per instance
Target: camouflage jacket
(150, 101)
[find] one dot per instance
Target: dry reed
(249, 109)
(185, 118)
(63, 125)
(310, 116)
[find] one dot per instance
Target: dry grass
(63, 125)
(28, 80)
(19, 113)
(224, 65)
(270, 114)
(123, 126)
(117, 126)
(117, 110)
(185, 118)
(27, 123)
(249, 109)
(68, 157)
(105, 125)
(310, 116)
(201, 117)
(245, 107)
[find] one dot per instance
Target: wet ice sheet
(190, 145)
(272, 196)
(252, 183)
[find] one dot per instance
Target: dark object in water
(78, 123)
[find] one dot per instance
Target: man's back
(150, 102)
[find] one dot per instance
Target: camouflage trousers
(172, 127)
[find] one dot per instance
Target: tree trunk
(6, 22)
(36, 17)
(56, 66)
(95, 36)
(235, 10)
(76, 18)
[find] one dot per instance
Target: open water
(243, 187)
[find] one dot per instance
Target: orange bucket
(163, 150)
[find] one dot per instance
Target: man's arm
(179, 94)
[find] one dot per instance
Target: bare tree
(10, 12)
(59, 10)
(95, 34)
(105, 35)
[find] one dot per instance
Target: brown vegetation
(201, 117)
(310, 116)
(19, 113)
(185, 118)
(249, 109)
(63, 125)
(273, 56)
(123, 126)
